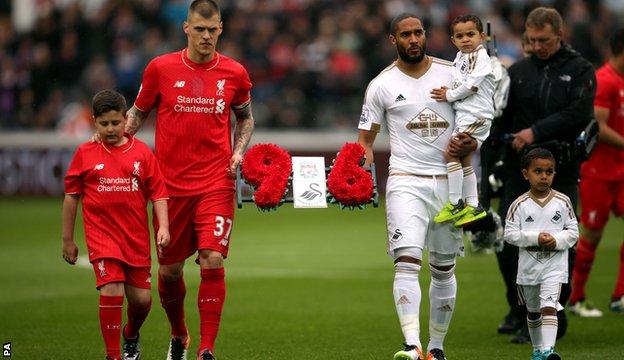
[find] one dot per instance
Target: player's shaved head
(205, 8)
(394, 25)
(108, 100)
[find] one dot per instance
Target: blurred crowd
(309, 60)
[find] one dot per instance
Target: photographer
(550, 103)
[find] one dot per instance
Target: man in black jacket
(550, 103)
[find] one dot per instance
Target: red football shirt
(606, 162)
(193, 132)
(115, 184)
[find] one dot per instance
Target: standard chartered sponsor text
(194, 105)
(115, 184)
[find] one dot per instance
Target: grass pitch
(302, 284)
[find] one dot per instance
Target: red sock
(172, 300)
(585, 253)
(136, 317)
(110, 324)
(619, 286)
(210, 302)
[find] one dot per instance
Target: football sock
(535, 332)
(585, 253)
(549, 331)
(442, 292)
(136, 317)
(619, 287)
(454, 181)
(469, 187)
(210, 303)
(406, 291)
(172, 300)
(110, 324)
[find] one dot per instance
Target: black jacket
(555, 98)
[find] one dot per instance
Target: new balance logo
(529, 219)
(403, 300)
(179, 84)
(99, 167)
(446, 307)
(400, 98)
(223, 242)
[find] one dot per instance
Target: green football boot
(470, 215)
(451, 212)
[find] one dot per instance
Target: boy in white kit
(543, 225)
(472, 97)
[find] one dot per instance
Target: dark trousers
(508, 257)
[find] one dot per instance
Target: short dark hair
(540, 16)
(466, 18)
(108, 100)
(537, 153)
(617, 42)
(205, 8)
(394, 25)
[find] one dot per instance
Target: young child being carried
(115, 178)
(543, 225)
(472, 97)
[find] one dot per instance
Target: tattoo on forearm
(136, 118)
(244, 128)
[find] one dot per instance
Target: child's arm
(515, 236)
(567, 237)
(481, 68)
(70, 207)
(162, 215)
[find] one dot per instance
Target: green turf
(302, 284)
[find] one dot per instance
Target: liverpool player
(602, 174)
(114, 178)
(193, 91)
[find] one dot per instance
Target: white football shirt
(526, 218)
(419, 127)
(472, 90)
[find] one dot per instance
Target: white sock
(442, 292)
(535, 331)
(455, 179)
(407, 296)
(549, 331)
(469, 187)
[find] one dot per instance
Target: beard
(410, 59)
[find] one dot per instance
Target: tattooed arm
(135, 119)
(242, 135)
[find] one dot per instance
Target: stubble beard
(412, 59)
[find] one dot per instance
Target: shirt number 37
(220, 229)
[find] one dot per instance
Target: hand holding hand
(547, 241)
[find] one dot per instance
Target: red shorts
(112, 270)
(198, 222)
(598, 199)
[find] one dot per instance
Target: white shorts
(537, 297)
(477, 128)
(411, 204)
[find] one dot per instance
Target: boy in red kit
(194, 90)
(602, 174)
(115, 178)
